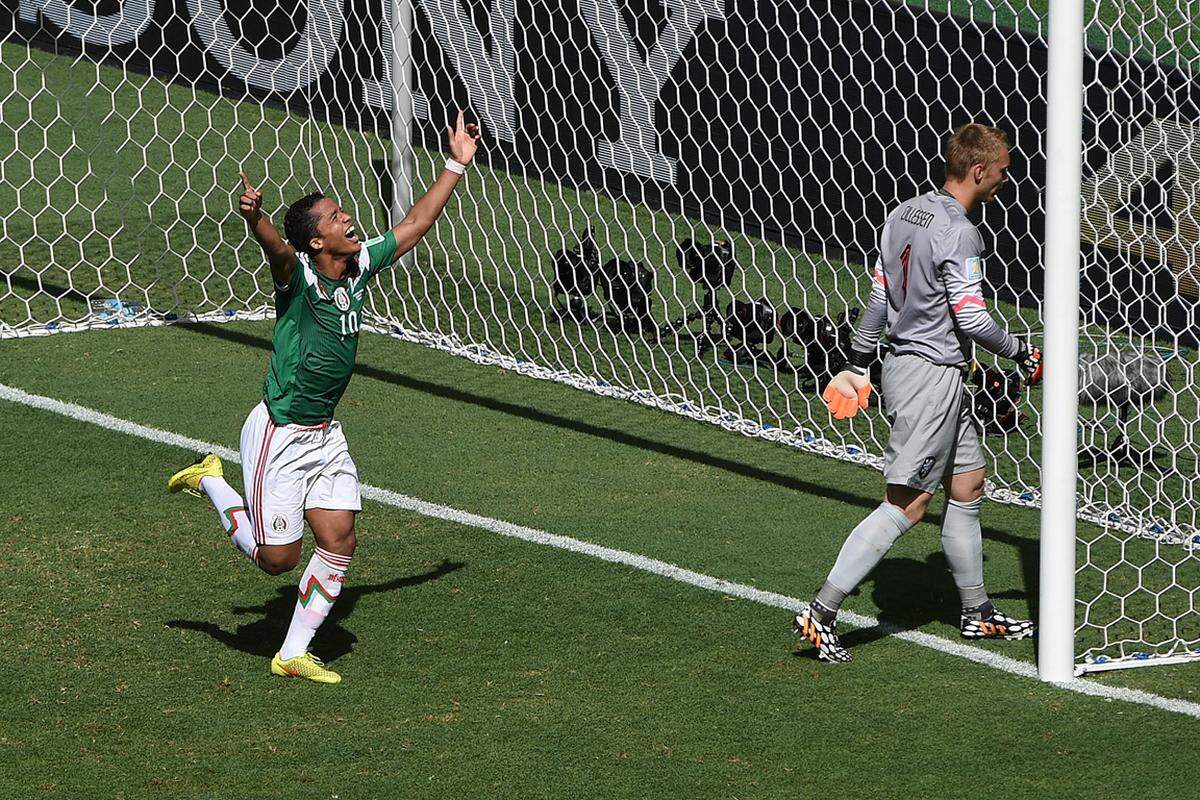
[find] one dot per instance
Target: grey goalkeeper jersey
(927, 294)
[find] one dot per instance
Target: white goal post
(1060, 398)
(673, 206)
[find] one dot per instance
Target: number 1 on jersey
(905, 258)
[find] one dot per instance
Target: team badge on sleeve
(974, 269)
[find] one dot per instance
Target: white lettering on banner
(305, 62)
(639, 82)
(1130, 167)
(486, 73)
(109, 30)
(379, 94)
(488, 77)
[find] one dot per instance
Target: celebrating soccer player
(295, 464)
(928, 296)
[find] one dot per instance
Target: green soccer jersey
(316, 335)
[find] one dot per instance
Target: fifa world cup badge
(974, 269)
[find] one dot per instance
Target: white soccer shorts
(287, 469)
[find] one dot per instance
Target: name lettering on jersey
(915, 216)
(974, 269)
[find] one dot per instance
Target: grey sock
(864, 549)
(827, 602)
(962, 541)
(986, 609)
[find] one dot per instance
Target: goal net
(673, 205)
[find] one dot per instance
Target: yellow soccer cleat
(304, 666)
(188, 479)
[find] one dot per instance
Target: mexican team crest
(341, 298)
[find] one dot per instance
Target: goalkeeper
(927, 293)
(295, 464)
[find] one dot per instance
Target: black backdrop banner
(799, 122)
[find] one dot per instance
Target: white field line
(651, 565)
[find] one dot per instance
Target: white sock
(320, 586)
(232, 510)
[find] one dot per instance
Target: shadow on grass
(1026, 548)
(903, 586)
(263, 636)
(909, 594)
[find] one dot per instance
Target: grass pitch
(125, 186)
(475, 665)
(478, 665)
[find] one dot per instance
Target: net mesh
(673, 206)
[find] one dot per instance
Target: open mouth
(352, 234)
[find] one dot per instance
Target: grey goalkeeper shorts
(933, 434)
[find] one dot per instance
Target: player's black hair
(300, 226)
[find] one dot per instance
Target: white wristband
(455, 167)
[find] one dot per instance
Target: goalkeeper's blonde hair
(972, 144)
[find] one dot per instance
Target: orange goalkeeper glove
(849, 391)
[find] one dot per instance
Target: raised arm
(280, 254)
(463, 140)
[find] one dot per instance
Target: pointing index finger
(245, 181)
